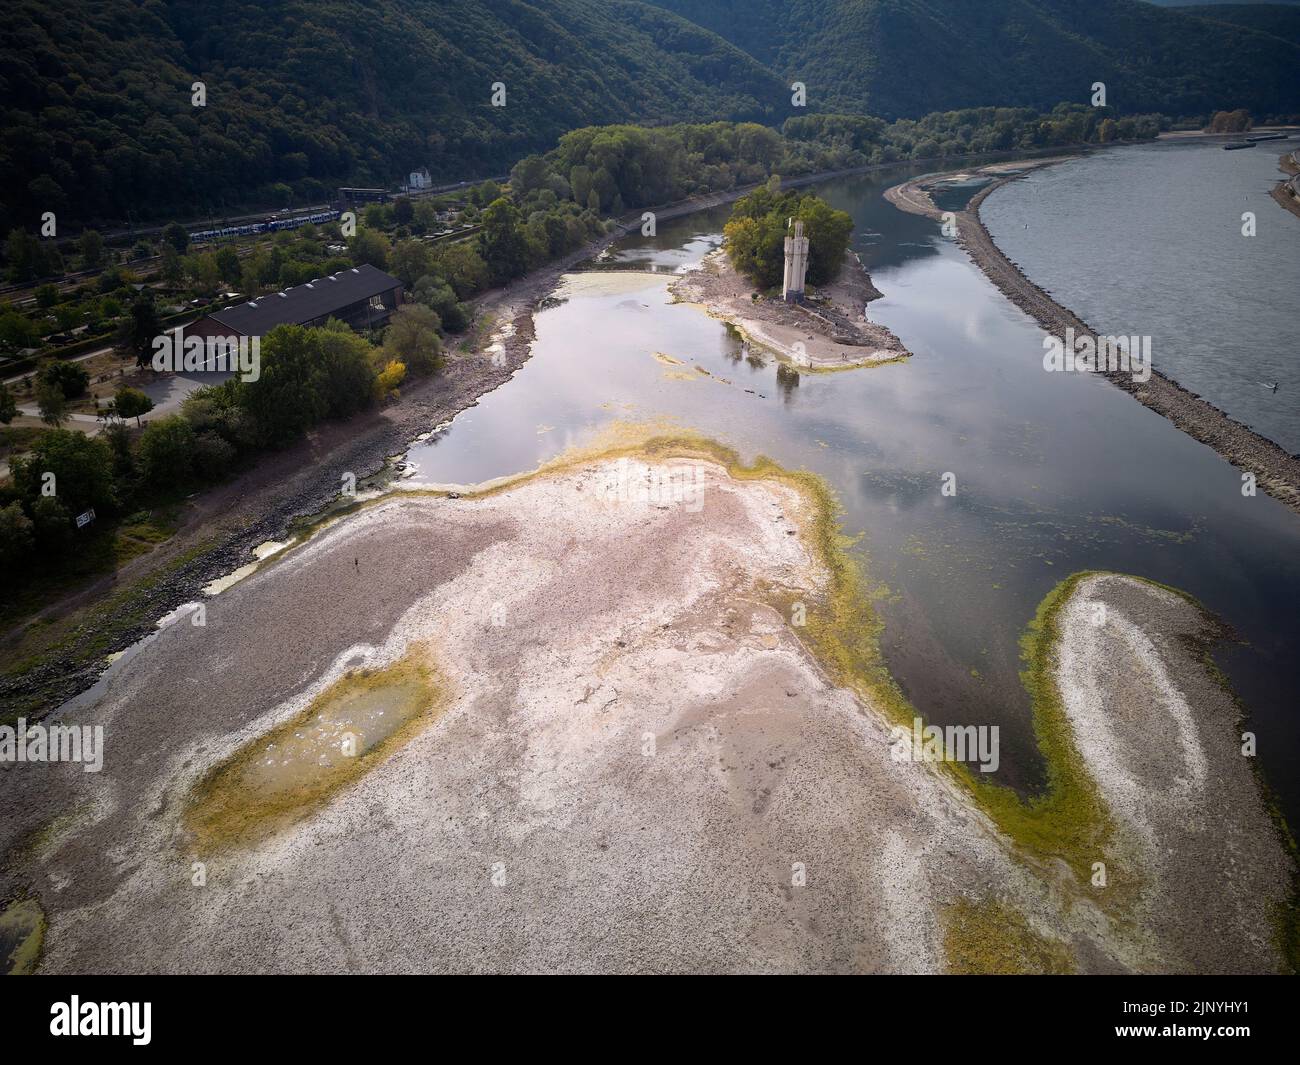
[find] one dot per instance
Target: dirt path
(1276, 471)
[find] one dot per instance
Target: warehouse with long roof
(363, 297)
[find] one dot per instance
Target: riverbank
(1275, 470)
(1284, 192)
(59, 651)
(830, 332)
(637, 758)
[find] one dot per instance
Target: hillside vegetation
(97, 97)
(908, 57)
(96, 101)
(1280, 20)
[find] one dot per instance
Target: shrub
(212, 456)
(167, 452)
(71, 377)
(389, 378)
(17, 536)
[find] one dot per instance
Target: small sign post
(85, 519)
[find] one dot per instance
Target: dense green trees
(95, 97)
(502, 244)
(755, 235)
(51, 403)
(1229, 121)
(70, 378)
(412, 339)
(131, 403)
(166, 452)
(17, 537)
(136, 335)
(611, 169)
(909, 57)
(287, 398)
(27, 257)
(75, 469)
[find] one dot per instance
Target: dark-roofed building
(363, 297)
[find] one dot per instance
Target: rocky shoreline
(829, 332)
(223, 525)
(1276, 471)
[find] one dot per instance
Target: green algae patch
(1069, 819)
(22, 933)
(1067, 822)
(990, 939)
(286, 774)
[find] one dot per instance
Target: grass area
(83, 636)
(19, 439)
(103, 550)
(250, 796)
(990, 939)
(22, 933)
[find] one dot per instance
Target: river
(1054, 472)
(1149, 240)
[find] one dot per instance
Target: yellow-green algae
(22, 933)
(292, 770)
(1067, 822)
(991, 939)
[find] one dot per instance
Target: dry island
(641, 729)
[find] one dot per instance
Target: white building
(796, 265)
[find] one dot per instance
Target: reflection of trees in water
(787, 380)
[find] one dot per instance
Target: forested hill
(96, 101)
(909, 57)
(1281, 20)
(95, 95)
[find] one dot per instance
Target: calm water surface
(1148, 240)
(1055, 473)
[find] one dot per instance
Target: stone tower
(796, 264)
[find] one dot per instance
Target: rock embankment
(1276, 471)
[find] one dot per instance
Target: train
(267, 225)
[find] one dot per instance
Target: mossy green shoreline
(1067, 822)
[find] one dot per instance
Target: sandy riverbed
(637, 763)
(839, 338)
